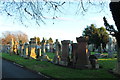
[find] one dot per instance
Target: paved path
(11, 70)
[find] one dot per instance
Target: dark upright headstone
(74, 53)
(82, 53)
(65, 52)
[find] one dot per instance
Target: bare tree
(115, 9)
(36, 9)
(7, 36)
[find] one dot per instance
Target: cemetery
(63, 57)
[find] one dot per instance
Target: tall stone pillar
(25, 50)
(38, 52)
(74, 53)
(70, 50)
(21, 49)
(65, 53)
(29, 50)
(11, 46)
(110, 52)
(57, 52)
(82, 53)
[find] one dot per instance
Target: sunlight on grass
(56, 71)
(108, 59)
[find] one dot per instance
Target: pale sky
(67, 26)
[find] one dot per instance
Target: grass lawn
(97, 52)
(60, 72)
(51, 55)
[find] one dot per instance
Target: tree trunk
(115, 9)
(117, 69)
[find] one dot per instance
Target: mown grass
(60, 72)
(97, 52)
(51, 55)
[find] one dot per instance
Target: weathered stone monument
(21, 48)
(26, 50)
(44, 55)
(57, 52)
(33, 43)
(70, 51)
(29, 49)
(110, 52)
(38, 52)
(65, 59)
(15, 47)
(74, 54)
(11, 46)
(51, 47)
(82, 60)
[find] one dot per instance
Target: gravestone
(70, 50)
(15, 47)
(57, 52)
(38, 52)
(33, 43)
(74, 53)
(93, 62)
(82, 53)
(11, 46)
(21, 50)
(44, 55)
(65, 53)
(26, 50)
(110, 53)
(51, 47)
(29, 49)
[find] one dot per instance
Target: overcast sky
(69, 24)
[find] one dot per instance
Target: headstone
(29, 50)
(15, 47)
(110, 53)
(93, 62)
(70, 50)
(44, 55)
(11, 46)
(26, 50)
(82, 53)
(33, 54)
(65, 53)
(21, 49)
(32, 48)
(51, 47)
(57, 52)
(74, 53)
(38, 52)
(47, 47)
(100, 49)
